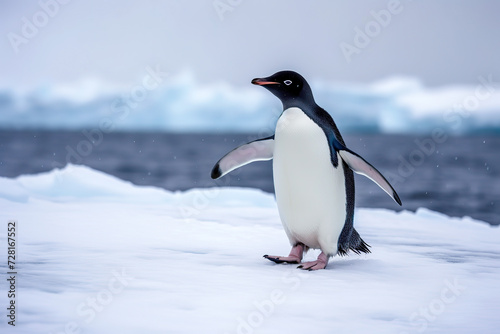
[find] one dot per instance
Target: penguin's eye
(287, 82)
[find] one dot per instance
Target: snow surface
(180, 103)
(100, 255)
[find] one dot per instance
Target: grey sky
(441, 42)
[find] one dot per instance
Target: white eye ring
(288, 82)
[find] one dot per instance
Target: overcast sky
(441, 42)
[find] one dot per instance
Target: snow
(180, 103)
(100, 255)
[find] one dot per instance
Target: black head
(288, 86)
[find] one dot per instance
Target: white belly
(310, 192)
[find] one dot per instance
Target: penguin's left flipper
(257, 150)
(363, 167)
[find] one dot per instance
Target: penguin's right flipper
(257, 150)
(363, 167)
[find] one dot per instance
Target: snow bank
(101, 255)
(180, 103)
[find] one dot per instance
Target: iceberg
(179, 103)
(97, 254)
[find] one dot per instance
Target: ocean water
(458, 176)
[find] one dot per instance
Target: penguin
(312, 173)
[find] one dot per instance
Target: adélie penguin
(313, 174)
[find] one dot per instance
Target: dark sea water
(458, 176)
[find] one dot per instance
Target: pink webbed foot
(283, 259)
(320, 263)
(294, 257)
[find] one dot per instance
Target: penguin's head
(287, 86)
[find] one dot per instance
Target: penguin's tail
(355, 244)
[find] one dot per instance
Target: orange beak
(263, 82)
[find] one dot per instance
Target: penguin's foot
(283, 259)
(294, 257)
(320, 263)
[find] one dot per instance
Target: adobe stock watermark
(379, 20)
(225, 6)
(453, 118)
(120, 109)
(425, 315)
(31, 26)
(265, 308)
(88, 310)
